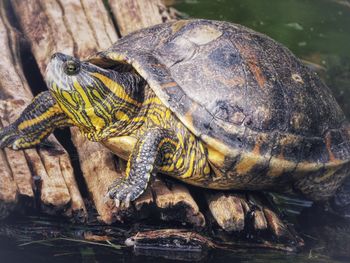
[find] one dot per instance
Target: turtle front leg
(146, 155)
(38, 120)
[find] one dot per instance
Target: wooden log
(99, 171)
(174, 244)
(259, 221)
(78, 28)
(188, 245)
(175, 203)
(227, 211)
(58, 187)
(132, 15)
(231, 211)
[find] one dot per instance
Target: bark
(227, 211)
(58, 189)
(132, 15)
(77, 28)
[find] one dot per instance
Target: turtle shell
(248, 98)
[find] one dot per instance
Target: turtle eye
(71, 67)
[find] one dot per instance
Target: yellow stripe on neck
(95, 120)
(116, 88)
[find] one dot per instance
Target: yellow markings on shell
(279, 166)
(49, 113)
(308, 167)
(117, 57)
(215, 157)
(247, 163)
(312, 166)
(116, 88)
(220, 147)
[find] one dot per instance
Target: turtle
(211, 103)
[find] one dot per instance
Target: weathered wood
(175, 244)
(99, 171)
(259, 221)
(176, 204)
(277, 227)
(58, 188)
(78, 28)
(9, 79)
(227, 211)
(132, 15)
(189, 245)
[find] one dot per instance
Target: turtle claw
(117, 202)
(127, 200)
(123, 193)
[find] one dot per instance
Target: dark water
(318, 31)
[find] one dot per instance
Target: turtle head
(91, 96)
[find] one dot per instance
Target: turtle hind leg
(38, 120)
(320, 186)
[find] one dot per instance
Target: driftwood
(52, 26)
(51, 167)
(185, 245)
